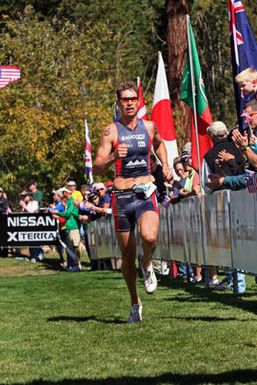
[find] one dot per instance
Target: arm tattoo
(107, 131)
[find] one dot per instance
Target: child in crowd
(247, 82)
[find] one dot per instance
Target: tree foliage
(72, 54)
(71, 63)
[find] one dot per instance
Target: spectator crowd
(230, 163)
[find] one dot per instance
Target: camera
(91, 197)
(185, 156)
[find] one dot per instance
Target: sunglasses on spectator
(133, 99)
(100, 189)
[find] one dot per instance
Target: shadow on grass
(51, 263)
(209, 319)
(246, 376)
(86, 319)
(201, 293)
(54, 264)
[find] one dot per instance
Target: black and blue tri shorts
(127, 207)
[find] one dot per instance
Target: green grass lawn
(70, 328)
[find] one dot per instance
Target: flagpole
(197, 139)
(87, 138)
(193, 96)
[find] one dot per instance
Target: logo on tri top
(137, 163)
(133, 136)
(141, 144)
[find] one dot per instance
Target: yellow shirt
(77, 195)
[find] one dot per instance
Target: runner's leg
(127, 243)
(148, 226)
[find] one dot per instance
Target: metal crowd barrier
(219, 230)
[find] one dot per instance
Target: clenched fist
(121, 151)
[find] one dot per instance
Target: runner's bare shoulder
(150, 126)
(109, 133)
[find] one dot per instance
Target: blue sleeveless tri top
(137, 161)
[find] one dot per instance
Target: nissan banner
(26, 229)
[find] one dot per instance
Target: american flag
(243, 47)
(251, 181)
(88, 156)
(9, 74)
(141, 113)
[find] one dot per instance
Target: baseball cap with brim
(218, 129)
(58, 192)
(65, 189)
(32, 181)
(71, 183)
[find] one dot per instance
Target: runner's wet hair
(127, 85)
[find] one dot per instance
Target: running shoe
(150, 280)
(135, 313)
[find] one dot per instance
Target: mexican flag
(197, 101)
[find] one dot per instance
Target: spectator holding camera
(104, 197)
(192, 181)
(27, 203)
(30, 205)
(243, 141)
(96, 207)
(177, 185)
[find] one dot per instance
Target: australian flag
(243, 47)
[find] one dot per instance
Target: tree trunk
(177, 48)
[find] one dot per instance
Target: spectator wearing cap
(101, 191)
(59, 206)
(192, 181)
(37, 195)
(71, 214)
(224, 158)
(76, 194)
(57, 201)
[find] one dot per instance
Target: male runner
(127, 144)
